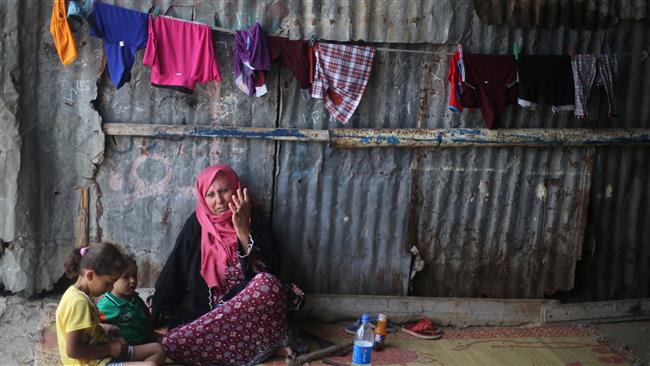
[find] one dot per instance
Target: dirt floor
(626, 343)
(633, 335)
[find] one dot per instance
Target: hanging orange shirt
(63, 40)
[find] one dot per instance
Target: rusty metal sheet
(503, 222)
(342, 20)
(548, 13)
(616, 256)
(63, 145)
(145, 190)
(591, 14)
(341, 216)
(353, 205)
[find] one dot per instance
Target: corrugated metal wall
(502, 222)
(616, 253)
(588, 14)
(497, 222)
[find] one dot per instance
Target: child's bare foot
(285, 352)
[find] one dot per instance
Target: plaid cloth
(340, 77)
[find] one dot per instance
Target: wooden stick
(317, 355)
(327, 361)
(82, 218)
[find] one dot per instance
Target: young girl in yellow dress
(82, 339)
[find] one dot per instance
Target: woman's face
(219, 195)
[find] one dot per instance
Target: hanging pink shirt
(180, 54)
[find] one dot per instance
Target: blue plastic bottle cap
(365, 318)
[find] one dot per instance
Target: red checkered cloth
(340, 77)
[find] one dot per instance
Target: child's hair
(130, 261)
(103, 258)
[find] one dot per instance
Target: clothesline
(317, 68)
(232, 31)
(643, 53)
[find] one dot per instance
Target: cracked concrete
(51, 144)
(21, 321)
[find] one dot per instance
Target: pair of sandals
(423, 329)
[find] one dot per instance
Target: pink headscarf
(218, 236)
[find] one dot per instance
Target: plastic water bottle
(362, 351)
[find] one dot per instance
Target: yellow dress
(75, 312)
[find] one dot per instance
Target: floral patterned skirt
(245, 330)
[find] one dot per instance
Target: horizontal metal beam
(456, 137)
(166, 131)
(404, 137)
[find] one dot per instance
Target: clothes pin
(154, 11)
(516, 47)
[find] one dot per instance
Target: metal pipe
(458, 137)
(403, 137)
(171, 131)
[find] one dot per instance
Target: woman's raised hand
(241, 214)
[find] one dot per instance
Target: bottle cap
(381, 316)
(365, 318)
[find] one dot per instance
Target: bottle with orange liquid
(380, 332)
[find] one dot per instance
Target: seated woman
(225, 260)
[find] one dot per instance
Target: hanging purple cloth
(251, 55)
